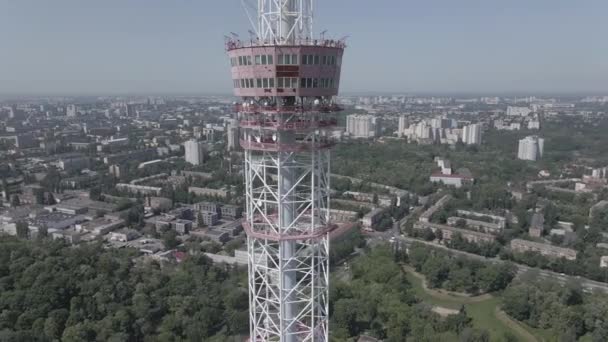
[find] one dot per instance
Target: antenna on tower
(248, 7)
(322, 35)
(252, 35)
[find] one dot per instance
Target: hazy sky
(115, 46)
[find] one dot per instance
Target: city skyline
(153, 47)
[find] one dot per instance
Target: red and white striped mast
(287, 81)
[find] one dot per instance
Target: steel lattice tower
(287, 81)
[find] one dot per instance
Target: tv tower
(287, 80)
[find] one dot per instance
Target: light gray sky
(163, 46)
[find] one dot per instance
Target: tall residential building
(232, 133)
(12, 111)
(130, 110)
(71, 110)
(441, 123)
(531, 148)
(363, 126)
(471, 134)
(421, 131)
(195, 152)
(403, 126)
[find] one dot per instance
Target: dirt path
(514, 325)
(448, 296)
(444, 294)
(444, 312)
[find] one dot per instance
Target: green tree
(199, 220)
(170, 239)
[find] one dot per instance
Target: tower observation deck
(286, 81)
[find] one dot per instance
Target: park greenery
(379, 301)
(566, 311)
(49, 292)
(458, 273)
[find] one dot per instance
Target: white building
(421, 130)
(471, 134)
(71, 110)
(403, 127)
(600, 173)
(451, 179)
(533, 124)
(531, 148)
(233, 135)
(195, 152)
(441, 123)
(518, 111)
(363, 126)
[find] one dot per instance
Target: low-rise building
(550, 251)
(218, 236)
(80, 182)
(482, 226)
(185, 213)
(501, 221)
(183, 227)
(233, 228)
(53, 221)
(125, 235)
(537, 225)
(455, 180)
(448, 233)
(336, 215)
(70, 236)
(73, 163)
(100, 226)
(426, 216)
(229, 211)
(207, 206)
(160, 203)
(372, 218)
(209, 218)
(380, 200)
(604, 261)
(221, 193)
(139, 189)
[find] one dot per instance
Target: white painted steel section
(284, 22)
(288, 193)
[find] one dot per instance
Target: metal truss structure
(285, 136)
(287, 226)
(283, 21)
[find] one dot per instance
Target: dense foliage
(345, 245)
(566, 311)
(50, 292)
(457, 273)
(378, 300)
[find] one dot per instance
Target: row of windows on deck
(285, 59)
(284, 82)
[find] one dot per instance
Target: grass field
(484, 310)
